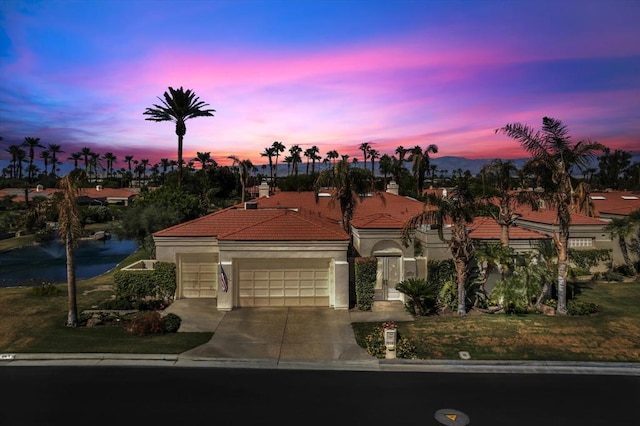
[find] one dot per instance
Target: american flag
(224, 282)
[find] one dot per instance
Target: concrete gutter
(398, 365)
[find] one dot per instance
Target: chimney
(263, 189)
(392, 187)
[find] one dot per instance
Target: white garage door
(198, 275)
(284, 282)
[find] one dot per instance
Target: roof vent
(39, 188)
(98, 187)
(250, 206)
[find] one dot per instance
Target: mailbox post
(390, 339)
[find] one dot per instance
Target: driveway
(283, 334)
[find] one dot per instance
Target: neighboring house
(97, 195)
(610, 205)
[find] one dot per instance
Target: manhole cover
(451, 417)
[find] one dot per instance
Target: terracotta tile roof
(238, 224)
(393, 205)
(290, 216)
(550, 217)
(378, 221)
(615, 202)
(486, 228)
(109, 192)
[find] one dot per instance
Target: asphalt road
(125, 395)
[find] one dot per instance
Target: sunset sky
(329, 73)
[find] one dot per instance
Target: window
(580, 242)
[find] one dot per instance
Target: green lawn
(31, 323)
(613, 334)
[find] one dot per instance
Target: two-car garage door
(283, 282)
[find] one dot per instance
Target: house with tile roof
(290, 249)
(96, 195)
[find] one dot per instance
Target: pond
(33, 265)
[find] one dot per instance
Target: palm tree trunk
(562, 286)
(72, 318)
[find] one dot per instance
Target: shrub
(158, 283)
(164, 275)
(578, 307)
(376, 347)
(119, 303)
(144, 323)
(365, 272)
(171, 323)
(625, 270)
(46, 289)
(422, 295)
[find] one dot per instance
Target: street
(45, 395)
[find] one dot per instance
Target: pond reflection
(34, 265)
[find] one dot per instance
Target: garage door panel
(198, 275)
(284, 282)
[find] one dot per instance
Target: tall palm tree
(421, 162)
(70, 230)
(14, 151)
(32, 144)
(278, 148)
(385, 165)
(45, 156)
(75, 157)
(245, 167)
(110, 158)
(128, 159)
(312, 155)
(269, 152)
(401, 151)
(553, 155)
(179, 106)
(458, 208)
(365, 147)
(373, 154)
(204, 158)
(54, 149)
(349, 185)
(332, 156)
(295, 151)
(86, 152)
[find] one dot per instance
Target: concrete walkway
(283, 334)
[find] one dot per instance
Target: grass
(613, 334)
(33, 323)
(36, 324)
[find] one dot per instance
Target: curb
(440, 366)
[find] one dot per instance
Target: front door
(388, 276)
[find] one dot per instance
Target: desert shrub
(46, 289)
(144, 323)
(365, 274)
(171, 323)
